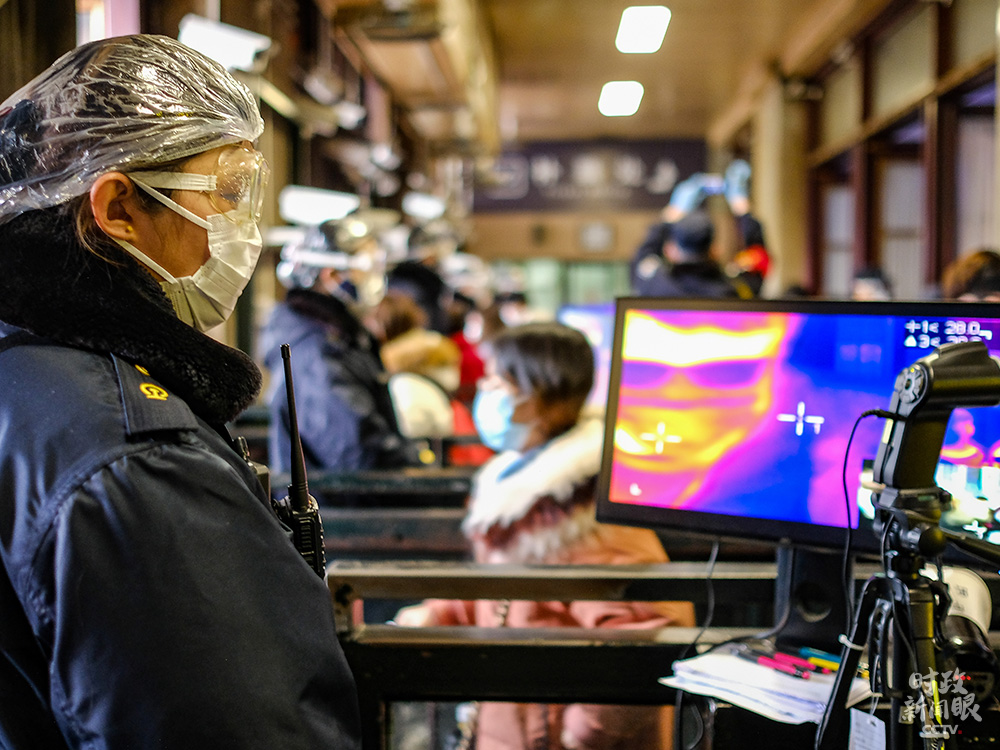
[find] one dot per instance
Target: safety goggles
(235, 187)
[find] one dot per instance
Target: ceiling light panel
(620, 98)
(642, 28)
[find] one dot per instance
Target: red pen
(767, 661)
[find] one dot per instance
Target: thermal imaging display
(734, 417)
(597, 323)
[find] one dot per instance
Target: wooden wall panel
(517, 236)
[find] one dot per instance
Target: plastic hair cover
(117, 104)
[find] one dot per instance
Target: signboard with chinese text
(588, 175)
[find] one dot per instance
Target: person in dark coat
(149, 595)
(345, 414)
(675, 260)
(676, 257)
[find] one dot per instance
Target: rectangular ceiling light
(642, 28)
(620, 98)
(301, 204)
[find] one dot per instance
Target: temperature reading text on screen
(930, 334)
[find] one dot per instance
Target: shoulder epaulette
(149, 407)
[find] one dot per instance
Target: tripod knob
(913, 385)
(932, 542)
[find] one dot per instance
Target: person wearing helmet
(676, 258)
(345, 413)
(149, 595)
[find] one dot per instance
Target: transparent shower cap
(117, 104)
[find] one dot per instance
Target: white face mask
(208, 297)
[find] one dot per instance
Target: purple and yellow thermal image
(690, 394)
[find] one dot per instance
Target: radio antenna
(298, 490)
(299, 509)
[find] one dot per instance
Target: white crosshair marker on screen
(975, 528)
(660, 438)
(800, 419)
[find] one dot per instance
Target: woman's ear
(558, 415)
(112, 201)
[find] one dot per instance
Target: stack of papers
(757, 688)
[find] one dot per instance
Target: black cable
(847, 587)
(894, 625)
(762, 636)
(845, 577)
(848, 583)
(709, 616)
(709, 597)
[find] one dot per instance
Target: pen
(817, 654)
(767, 661)
(798, 661)
(830, 666)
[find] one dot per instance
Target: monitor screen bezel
(745, 528)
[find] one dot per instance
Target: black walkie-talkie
(298, 509)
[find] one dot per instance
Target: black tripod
(895, 607)
(901, 608)
(900, 616)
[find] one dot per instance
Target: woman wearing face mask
(148, 595)
(534, 503)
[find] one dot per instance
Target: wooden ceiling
(551, 58)
(554, 56)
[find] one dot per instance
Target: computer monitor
(597, 322)
(732, 418)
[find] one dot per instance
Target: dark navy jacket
(152, 599)
(149, 597)
(344, 410)
(652, 276)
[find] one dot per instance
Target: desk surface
(667, 581)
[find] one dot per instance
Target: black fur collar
(53, 287)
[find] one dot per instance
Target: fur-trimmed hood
(425, 352)
(53, 287)
(544, 506)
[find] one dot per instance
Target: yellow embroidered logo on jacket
(153, 391)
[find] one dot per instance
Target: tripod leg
(833, 730)
(919, 604)
(896, 633)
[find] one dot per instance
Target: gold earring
(129, 229)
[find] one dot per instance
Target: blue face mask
(492, 411)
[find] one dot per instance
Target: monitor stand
(810, 585)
